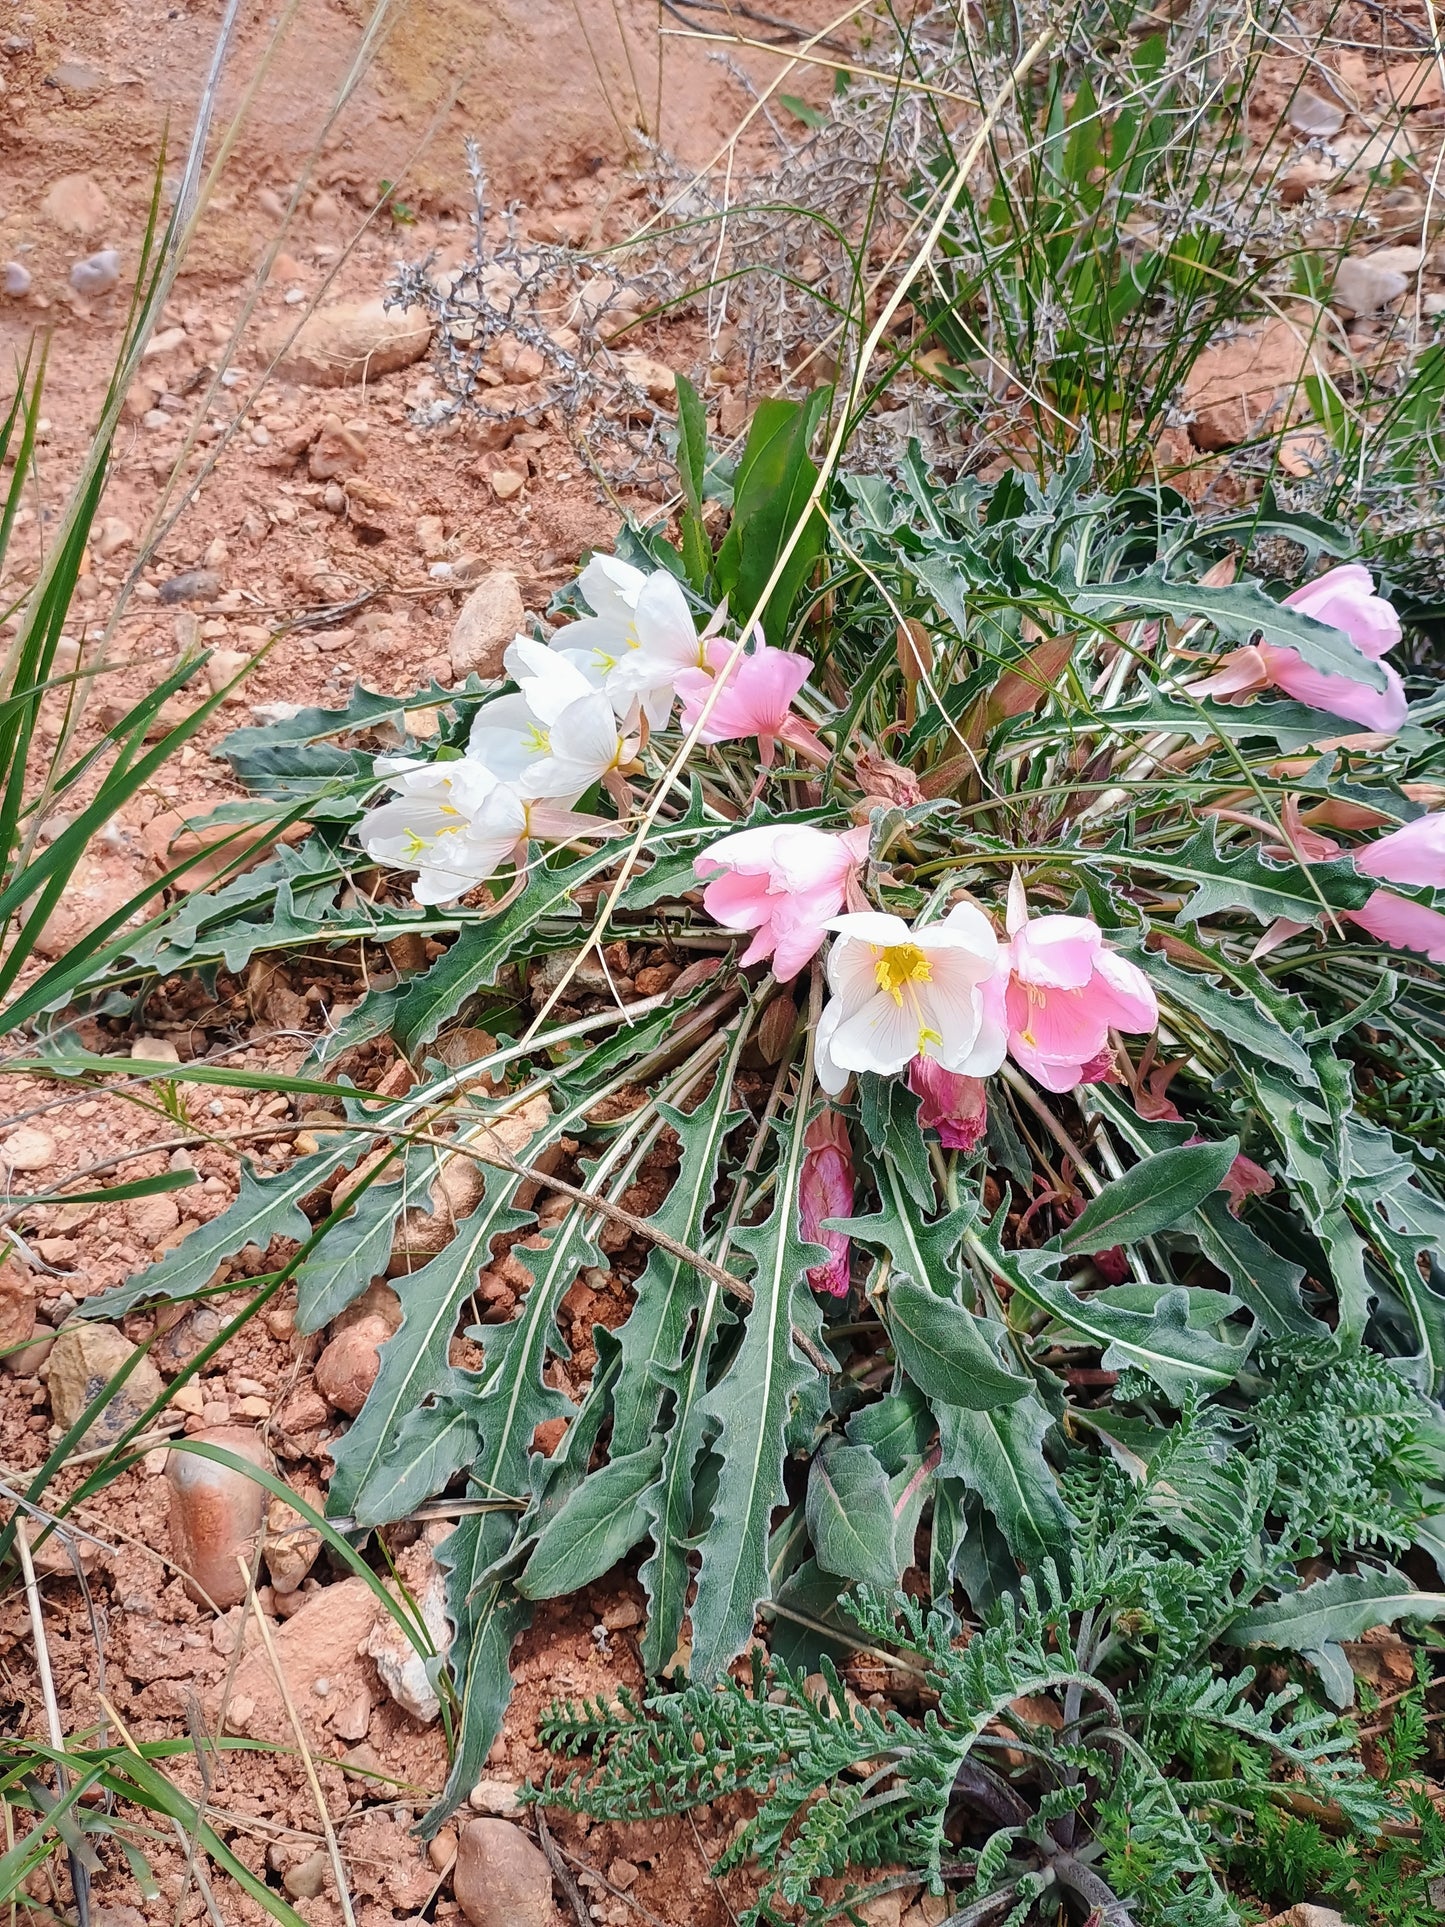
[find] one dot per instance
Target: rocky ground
(406, 554)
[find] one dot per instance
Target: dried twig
(79, 1876)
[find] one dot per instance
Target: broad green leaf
(896, 1428)
(1154, 1195)
(598, 1525)
(923, 1249)
(1240, 612)
(1162, 1343)
(774, 480)
(358, 1248)
(999, 1455)
(948, 1352)
(670, 1291)
(1317, 1619)
(1246, 1020)
(850, 1516)
(407, 1400)
(750, 1406)
(1244, 880)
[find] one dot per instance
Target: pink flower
(825, 1190)
(1064, 990)
(1406, 925)
(1413, 855)
(1345, 599)
(783, 883)
(953, 1105)
(755, 700)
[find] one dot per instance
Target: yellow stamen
(899, 965)
(537, 739)
(927, 1037)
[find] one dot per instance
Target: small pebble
(16, 279)
(97, 274)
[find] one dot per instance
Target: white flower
(456, 825)
(451, 822)
(641, 635)
(901, 993)
(587, 745)
(508, 738)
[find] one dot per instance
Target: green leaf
(1245, 880)
(670, 1291)
(750, 1408)
(809, 116)
(1240, 611)
(999, 1455)
(692, 472)
(358, 1247)
(475, 961)
(1316, 1619)
(265, 1208)
(850, 1516)
(948, 1352)
(774, 480)
(923, 1249)
(1154, 1195)
(1162, 1343)
(889, 1114)
(1254, 1020)
(599, 1524)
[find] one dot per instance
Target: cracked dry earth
(324, 503)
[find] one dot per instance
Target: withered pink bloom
(825, 1190)
(1413, 855)
(1245, 1179)
(953, 1105)
(1064, 991)
(783, 883)
(756, 698)
(1345, 599)
(1406, 925)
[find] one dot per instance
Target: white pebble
(294, 297)
(97, 273)
(16, 279)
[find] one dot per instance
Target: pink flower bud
(953, 1105)
(825, 1190)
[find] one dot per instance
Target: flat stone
(28, 1149)
(1360, 286)
(348, 342)
(191, 585)
(77, 79)
(1235, 386)
(497, 1797)
(488, 621)
(17, 1307)
(1312, 114)
(85, 1357)
(1397, 260)
(400, 1667)
(76, 204)
(501, 1879)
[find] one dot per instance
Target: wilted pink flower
(783, 883)
(825, 1190)
(1345, 599)
(1244, 1179)
(1064, 990)
(1406, 925)
(953, 1105)
(1413, 855)
(756, 698)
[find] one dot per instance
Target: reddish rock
(346, 1370)
(216, 1514)
(501, 1879)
